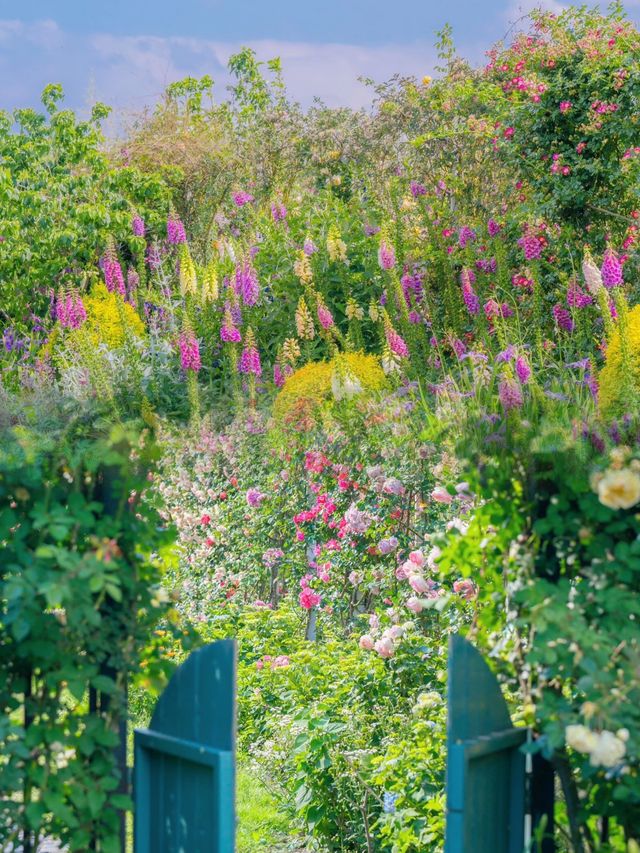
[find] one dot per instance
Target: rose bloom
(466, 588)
(366, 642)
(417, 557)
(385, 647)
(608, 751)
(419, 584)
(619, 489)
(414, 604)
(441, 495)
(580, 738)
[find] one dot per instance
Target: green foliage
(80, 596)
(60, 199)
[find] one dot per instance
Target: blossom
(611, 269)
(591, 273)
(366, 642)
(246, 283)
(441, 495)
(113, 277)
(563, 318)
(466, 235)
(608, 750)
(254, 497)
(393, 486)
(309, 247)
(387, 546)
(523, 370)
(308, 598)
(278, 212)
(386, 255)
(466, 588)
(385, 647)
(189, 351)
(357, 522)
(250, 357)
(240, 198)
(304, 321)
(419, 583)
(137, 226)
(175, 231)
(580, 738)
(493, 228)
(396, 343)
(415, 604)
(565, 106)
(325, 316)
(510, 394)
(531, 245)
(467, 279)
(417, 189)
(619, 489)
(228, 331)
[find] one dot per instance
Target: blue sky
(125, 52)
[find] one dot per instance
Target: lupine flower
(241, 198)
(187, 271)
(278, 376)
(246, 283)
(563, 318)
(510, 394)
(576, 297)
(493, 228)
(523, 370)
(302, 268)
(466, 235)
(250, 357)
(278, 212)
(531, 245)
(324, 315)
(210, 289)
(386, 255)
(611, 269)
(175, 231)
(228, 331)
(396, 343)
(70, 311)
(309, 247)
(467, 279)
(137, 226)
(189, 351)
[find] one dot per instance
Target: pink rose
(441, 495)
(417, 557)
(466, 588)
(415, 604)
(366, 642)
(385, 647)
(419, 584)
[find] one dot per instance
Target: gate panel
(184, 775)
(485, 768)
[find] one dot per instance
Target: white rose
(580, 738)
(609, 750)
(619, 489)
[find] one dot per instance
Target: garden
(337, 384)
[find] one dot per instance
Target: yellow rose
(619, 489)
(426, 80)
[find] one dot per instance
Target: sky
(125, 52)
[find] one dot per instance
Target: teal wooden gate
(184, 771)
(485, 766)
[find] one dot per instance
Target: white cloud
(132, 71)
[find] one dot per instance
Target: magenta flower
(510, 394)
(611, 269)
(467, 279)
(523, 370)
(417, 189)
(562, 318)
(229, 333)
(278, 376)
(309, 247)
(466, 235)
(189, 352)
(324, 316)
(137, 226)
(113, 277)
(241, 198)
(70, 311)
(254, 497)
(396, 343)
(175, 232)
(250, 360)
(565, 106)
(246, 283)
(386, 255)
(493, 228)
(576, 297)
(278, 212)
(308, 598)
(531, 245)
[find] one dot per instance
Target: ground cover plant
(389, 366)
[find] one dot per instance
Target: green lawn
(263, 824)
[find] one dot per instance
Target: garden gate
(184, 771)
(494, 801)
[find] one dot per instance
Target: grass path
(263, 824)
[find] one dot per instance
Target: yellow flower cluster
(109, 319)
(615, 375)
(188, 278)
(210, 289)
(311, 385)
